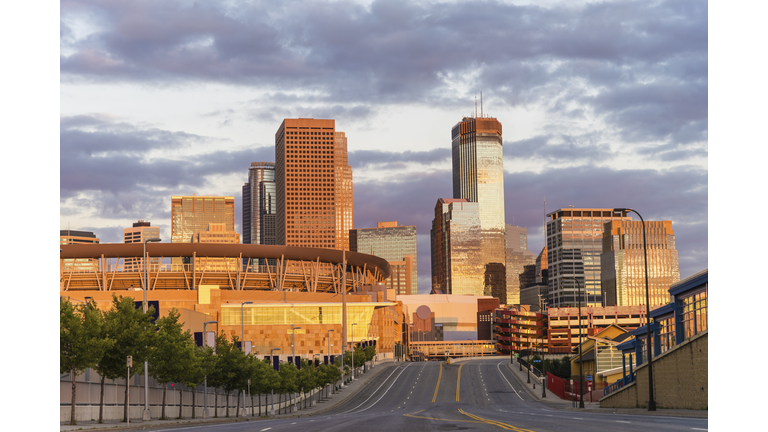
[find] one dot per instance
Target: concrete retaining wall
(680, 378)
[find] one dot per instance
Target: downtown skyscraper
(313, 182)
(478, 176)
(623, 263)
(397, 245)
(574, 247)
(260, 205)
(455, 241)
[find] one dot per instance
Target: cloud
(679, 195)
(560, 148)
(113, 159)
(367, 158)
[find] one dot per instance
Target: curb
(358, 390)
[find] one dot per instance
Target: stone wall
(680, 378)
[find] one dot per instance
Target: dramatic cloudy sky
(603, 104)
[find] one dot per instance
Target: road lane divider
(458, 382)
(377, 389)
(494, 422)
(434, 398)
(505, 379)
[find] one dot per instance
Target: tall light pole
(242, 323)
(293, 342)
(353, 350)
(205, 385)
(329, 347)
(543, 364)
(581, 371)
(242, 338)
(147, 416)
(651, 400)
(272, 406)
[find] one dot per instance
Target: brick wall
(680, 379)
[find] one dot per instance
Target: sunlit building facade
(478, 176)
(216, 233)
(138, 233)
(518, 257)
(313, 184)
(78, 237)
(457, 260)
(260, 205)
(574, 247)
(193, 214)
(623, 263)
(397, 245)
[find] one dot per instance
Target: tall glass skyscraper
(623, 263)
(397, 245)
(574, 246)
(478, 176)
(457, 266)
(260, 205)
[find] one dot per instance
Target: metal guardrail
(619, 384)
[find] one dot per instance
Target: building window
(694, 314)
(666, 328)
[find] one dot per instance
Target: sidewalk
(335, 399)
(555, 401)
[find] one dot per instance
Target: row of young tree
(557, 367)
(91, 338)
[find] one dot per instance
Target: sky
(602, 104)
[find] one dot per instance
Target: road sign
(589, 377)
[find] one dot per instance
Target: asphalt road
(475, 395)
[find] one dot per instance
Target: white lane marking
(265, 429)
(385, 393)
(620, 421)
(510, 384)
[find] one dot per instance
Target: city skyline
(608, 119)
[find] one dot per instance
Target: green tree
(218, 372)
(81, 342)
(195, 374)
(306, 378)
(288, 373)
(171, 353)
(270, 382)
(227, 365)
(207, 366)
(133, 333)
(190, 371)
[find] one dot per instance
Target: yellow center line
(442, 419)
(434, 398)
(458, 382)
(495, 423)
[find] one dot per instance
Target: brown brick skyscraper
(311, 171)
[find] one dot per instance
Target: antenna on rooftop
(475, 114)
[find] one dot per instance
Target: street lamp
(242, 339)
(242, 322)
(353, 350)
(147, 416)
(581, 372)
(329, 346)
(543, 364)
(651, 401)
(293, 341)
(272, 406)
(205, 385)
